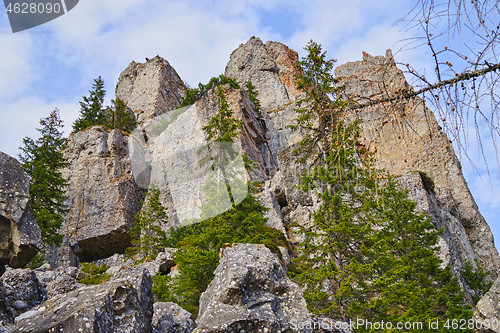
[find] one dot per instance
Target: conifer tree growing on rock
(148, 238)
(118, 117)
(369, 255)
(42, 159)
(92, 110)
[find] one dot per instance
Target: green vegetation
(148, 237)
(93, 112)
(477, 280)
(370, 254)
(200, 245)
(194, 94)
(118, 117)
(43, 160)
(241, 222)
(428, 182)
(93, 274)
(252, 94)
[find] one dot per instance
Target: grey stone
(250, 292)
(113, 306)
(102, 197)
(487, 310)
(150, 89)
(169, 317)
(20, 235)
(22, 291)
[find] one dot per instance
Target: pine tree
(92, 111)
(369, 254)
(42, 159)
(221, 131)
(147, 236)
(118, 117)
(252, 94)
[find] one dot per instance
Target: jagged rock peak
(405, 137)
(270, 67)
(150, 89)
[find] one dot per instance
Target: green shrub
(194, 94)
(93, 274)
(476, 279)
(200, 245)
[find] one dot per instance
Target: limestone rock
(174, 153)
(487, 310)
(271, 68)
(20, 235)
(102, 195)
(150, 89)
(114, 306)
(406, 137)
(22, 291)
(171, 318)
(250, 292)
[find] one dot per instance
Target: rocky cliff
(20, 235)
(109, 171)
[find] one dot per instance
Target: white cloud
(15, 67)
(21, 118)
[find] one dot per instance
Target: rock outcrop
(102, 196)
(150, 89)
(487, 310)
(124, 304)
(251, 293)
(20, 235)
(271, 67)
(170, 318)
(405, 137)
(22, 291)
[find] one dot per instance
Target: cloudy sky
(54, 65)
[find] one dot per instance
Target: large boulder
(102, 196)
(21, 291)
(120, 305)
(251, 293)
(20, 235)
(171, 318)
(150, 89)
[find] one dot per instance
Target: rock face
(150, 89)
(487, 310)
(173, 155)
(20, 235)
(406, 137)
(114, 306)
(251, 293)
(271, 68)
(102, 196)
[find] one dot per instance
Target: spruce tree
(92, 111)
(118, 117)
(221, 131)
(147, 236)
(42, 159)
(369, 254)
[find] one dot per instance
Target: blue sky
(54, 65)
